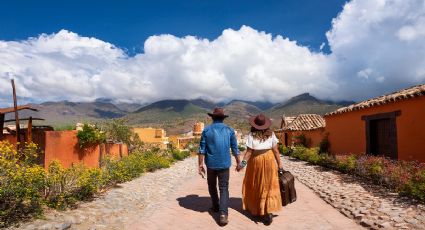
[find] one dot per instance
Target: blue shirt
(216, 142)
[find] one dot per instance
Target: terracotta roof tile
(304, 122)
(403, 94)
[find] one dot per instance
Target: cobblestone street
(371, 206)
(177, 198)
(112, 210)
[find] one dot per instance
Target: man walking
(216, 142)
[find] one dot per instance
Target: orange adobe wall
(116, 151)
(347, 131)
(313, 137)
(63, 146)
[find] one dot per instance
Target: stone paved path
(188, 207)
(112, 210)
(177, 198)
(371, 206)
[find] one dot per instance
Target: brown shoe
(223, 220)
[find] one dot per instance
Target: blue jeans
(223, 185)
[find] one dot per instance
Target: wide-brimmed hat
(260, 122)
(218, 113)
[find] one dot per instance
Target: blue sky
(137, 51)
(127, 24)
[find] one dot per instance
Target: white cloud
(377, 46)
(243, 64)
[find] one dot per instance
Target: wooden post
(29, 130)
(1, 125)
(15, 104)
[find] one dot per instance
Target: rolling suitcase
(287, 187)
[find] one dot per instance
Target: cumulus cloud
(376, 46)
(242, 64)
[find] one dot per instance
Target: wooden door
(383, 137)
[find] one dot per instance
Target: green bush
(312, 155)
(180, 155)
(346, 163)
(306, 154)
(298, 152)
(416, 186)
(284, 150)
(327, 160)
(153, 161)
(90, 136)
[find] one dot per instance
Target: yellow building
(181, 142)
(198, 127)
(152, 135)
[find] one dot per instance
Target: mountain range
(176, 116)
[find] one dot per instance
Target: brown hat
(218, 113)
(260, 122)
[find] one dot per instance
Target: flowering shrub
(405, 177)
(25, 187)
(63, 185)
(20, 183)
(416, 185)
(346, 163)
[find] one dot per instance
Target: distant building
(310, 126)
(198, 127)
(183, 140)
(152, 135)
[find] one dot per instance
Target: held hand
(241, 165)
(238, 168)
(201, 171)
(280, 166)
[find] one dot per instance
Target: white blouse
(256, 144)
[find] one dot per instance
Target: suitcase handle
(281, 171)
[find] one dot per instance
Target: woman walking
(260, 190)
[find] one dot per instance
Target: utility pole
(15, 104)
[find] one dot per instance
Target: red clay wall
(347, 132)
(313, 137)
(10, 138)
(63, 146)
(116, 150)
